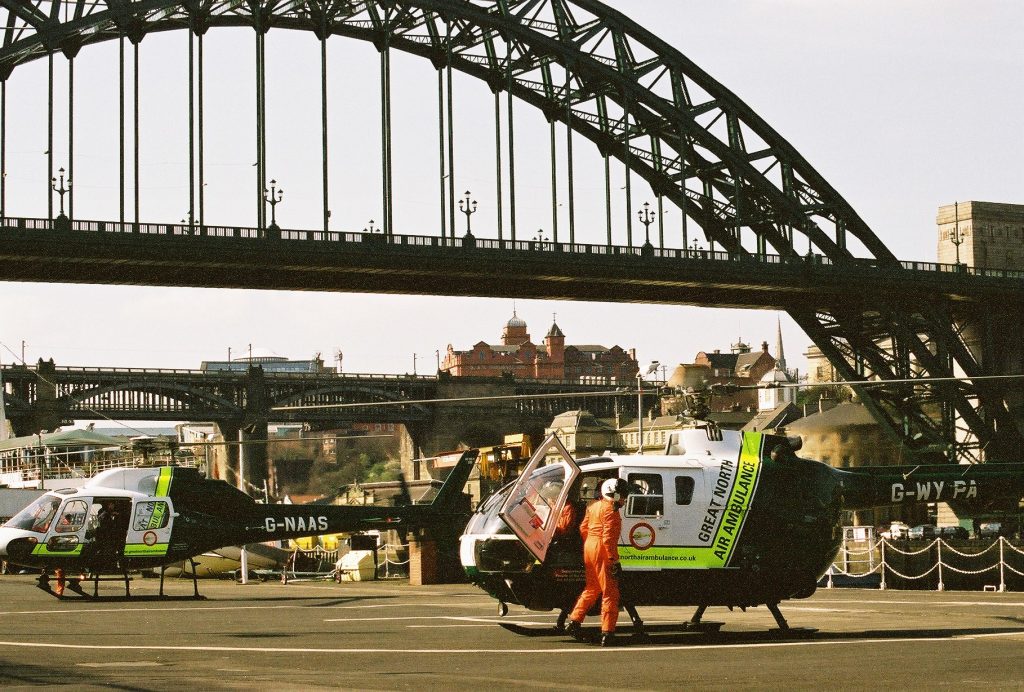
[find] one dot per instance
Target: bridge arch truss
(643, 103)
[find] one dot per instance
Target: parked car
(953, 532)
(922, 532)
(990, 529)
(896, 531)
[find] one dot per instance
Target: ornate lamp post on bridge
(273, 198)
(370, 229)
(646, 217)
(62, 222)
(955, 236)
(468, 207)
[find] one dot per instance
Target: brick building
(517, 355)
(741, 366)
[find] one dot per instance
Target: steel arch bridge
(644, 104)
(46, 396)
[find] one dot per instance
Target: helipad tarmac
(389, 635)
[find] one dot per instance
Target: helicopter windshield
(37, 516)
(486, 520)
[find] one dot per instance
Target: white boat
(224, 561)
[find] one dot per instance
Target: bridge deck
(220, 257)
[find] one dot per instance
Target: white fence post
(882, 567)
(941, 587)
(1002, 564)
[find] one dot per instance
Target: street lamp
(640, 404)
(955, 236)
(468, 207)
(273, 198)
(370, 228)
(62, 190)
(646, 217)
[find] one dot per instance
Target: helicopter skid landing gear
(695, 624)
(784, 628)
(639, 633)
(195, 582)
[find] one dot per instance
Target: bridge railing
(535, 246)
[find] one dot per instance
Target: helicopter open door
(540, 494)
(149, 533)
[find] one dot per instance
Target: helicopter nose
(5, 538)
(12, 540)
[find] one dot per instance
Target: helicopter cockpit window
(684, 490)
(590, 485)
(646, 498)
(37, 516)
(73, 518)
(150, 516)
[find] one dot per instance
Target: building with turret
(519, 356)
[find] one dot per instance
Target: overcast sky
(901, 106)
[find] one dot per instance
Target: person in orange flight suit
(600, 530)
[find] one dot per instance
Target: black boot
(608, 639)
(575, 630)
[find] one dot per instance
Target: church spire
(780, 355)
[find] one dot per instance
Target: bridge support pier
(252, 458)
(43, 415)
(999, 349)
(225, 462)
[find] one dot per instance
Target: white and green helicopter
(142, 518)
(718, 518)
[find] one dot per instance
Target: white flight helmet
(615, 489)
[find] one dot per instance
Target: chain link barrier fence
(936, 566)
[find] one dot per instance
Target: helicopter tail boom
(977, 486)
(274, 522)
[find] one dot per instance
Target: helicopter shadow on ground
(310, 601)
(19, 673)
(675, 635)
